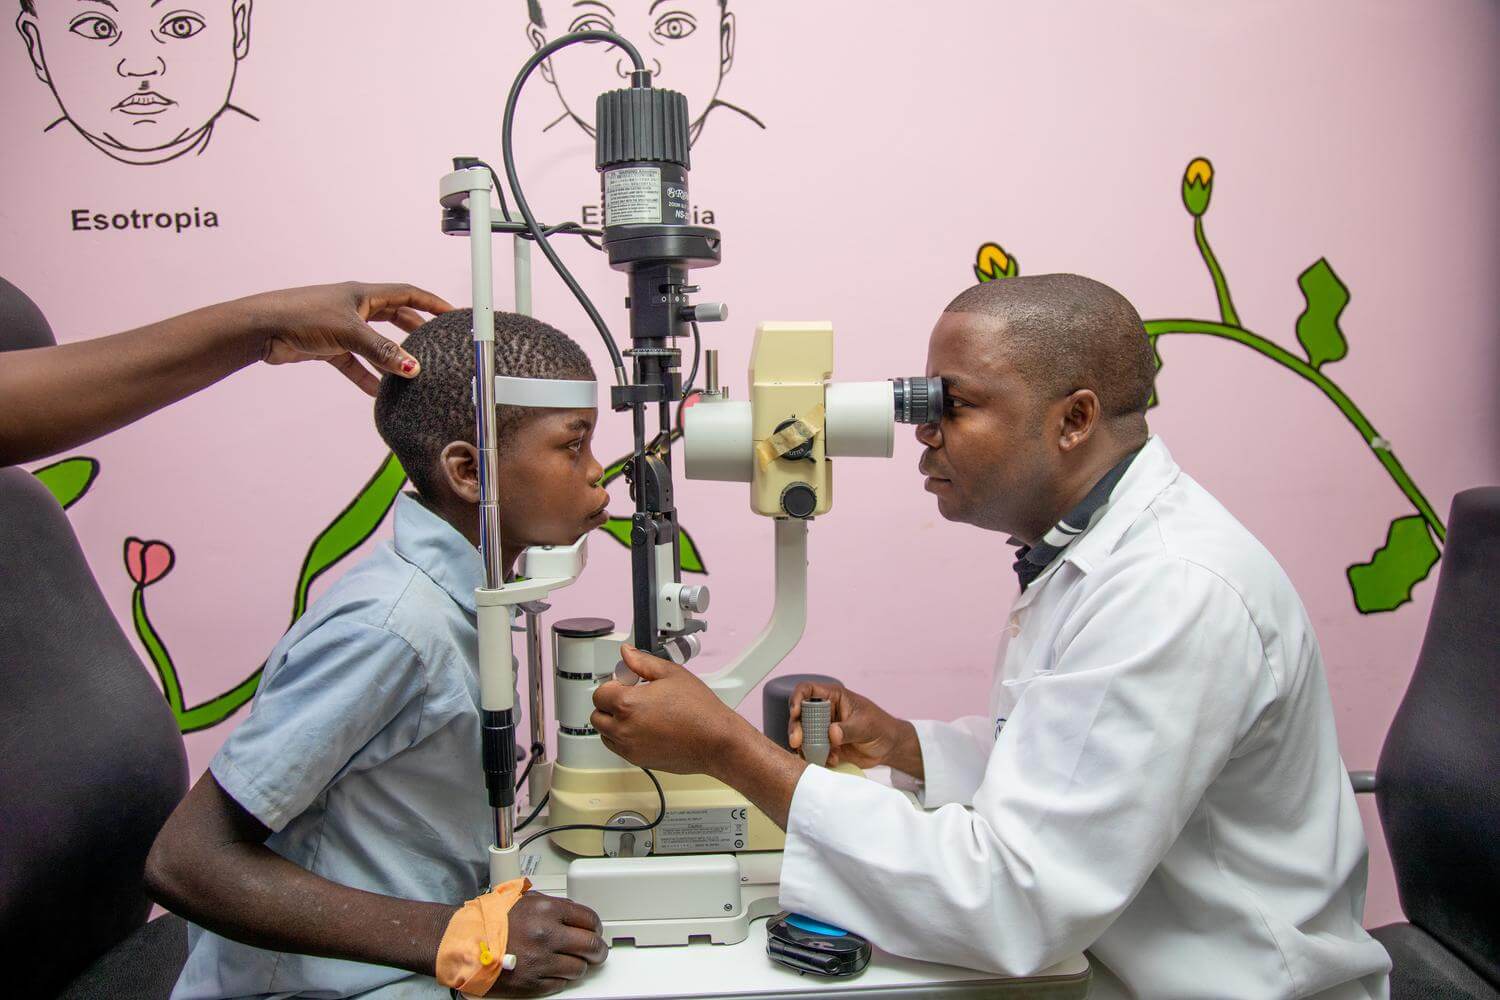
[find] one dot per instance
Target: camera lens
(919, 400)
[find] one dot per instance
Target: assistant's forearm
(54, 398)
(762, 772)
(249, 893)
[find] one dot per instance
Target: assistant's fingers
(382, 352)
(408, 319)
(381, 301)
(355, 372)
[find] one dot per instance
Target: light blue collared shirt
(361, 753)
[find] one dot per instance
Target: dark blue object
(808, 945)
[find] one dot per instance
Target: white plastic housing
(564, 562)
(717, 443)
(859, 420)
(681, 886)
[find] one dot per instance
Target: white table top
(743, 970)
(725, 971)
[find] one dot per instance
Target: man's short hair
(534, 9)
(1065, 332)
(419, 417)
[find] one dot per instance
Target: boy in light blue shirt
(344, 822)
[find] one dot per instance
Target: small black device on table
(806, 945)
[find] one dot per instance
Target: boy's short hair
(419, 417)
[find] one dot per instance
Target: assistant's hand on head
(674, 723)
(555, 942)
(332, 323)
(861, 733)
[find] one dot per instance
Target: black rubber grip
(499, 756)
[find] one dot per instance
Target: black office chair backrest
(1439, 773)
(91, 762)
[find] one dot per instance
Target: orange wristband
(473, 946)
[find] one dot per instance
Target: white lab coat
(1165, 789)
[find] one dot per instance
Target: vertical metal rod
(537, 705)
(486, 431)
(522, 261)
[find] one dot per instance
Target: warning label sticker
(703, 831)
(632, 195)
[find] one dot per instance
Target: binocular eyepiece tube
(919, 400)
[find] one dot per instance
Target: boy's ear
(241, 11)
(27, 26)
(460, 464)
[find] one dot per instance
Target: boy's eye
(181, 25)
(94, 26)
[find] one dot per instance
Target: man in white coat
(1158, 778)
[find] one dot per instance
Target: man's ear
(27, 26)
(1080, 415)
(241, 28)
(726, 43)
(459, 461)
(537, 37)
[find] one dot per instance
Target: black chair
(1436, 785)
(91, 761)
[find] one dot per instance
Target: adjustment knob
(799, 500)
(693, 597)
(708, 312)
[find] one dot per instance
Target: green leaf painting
(1318, 326)
(1386, 581)
(147, 562)
(1413, 545)
(618, 528)
(69, 479)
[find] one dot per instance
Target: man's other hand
(555, 942)
(861, 733)
(674, 723)
(332, 323)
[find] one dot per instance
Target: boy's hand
(861, 733)
(555, 942)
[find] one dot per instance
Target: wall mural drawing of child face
(687, 44)
(144, 81)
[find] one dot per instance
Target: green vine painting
(1412, 543)
(148, 562)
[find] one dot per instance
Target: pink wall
(897, 139)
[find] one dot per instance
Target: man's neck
(1077, 484)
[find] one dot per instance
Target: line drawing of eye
(181, 24)
(674, 25)
(96, 27)
(591, 22)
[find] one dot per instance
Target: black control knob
(799, 500)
